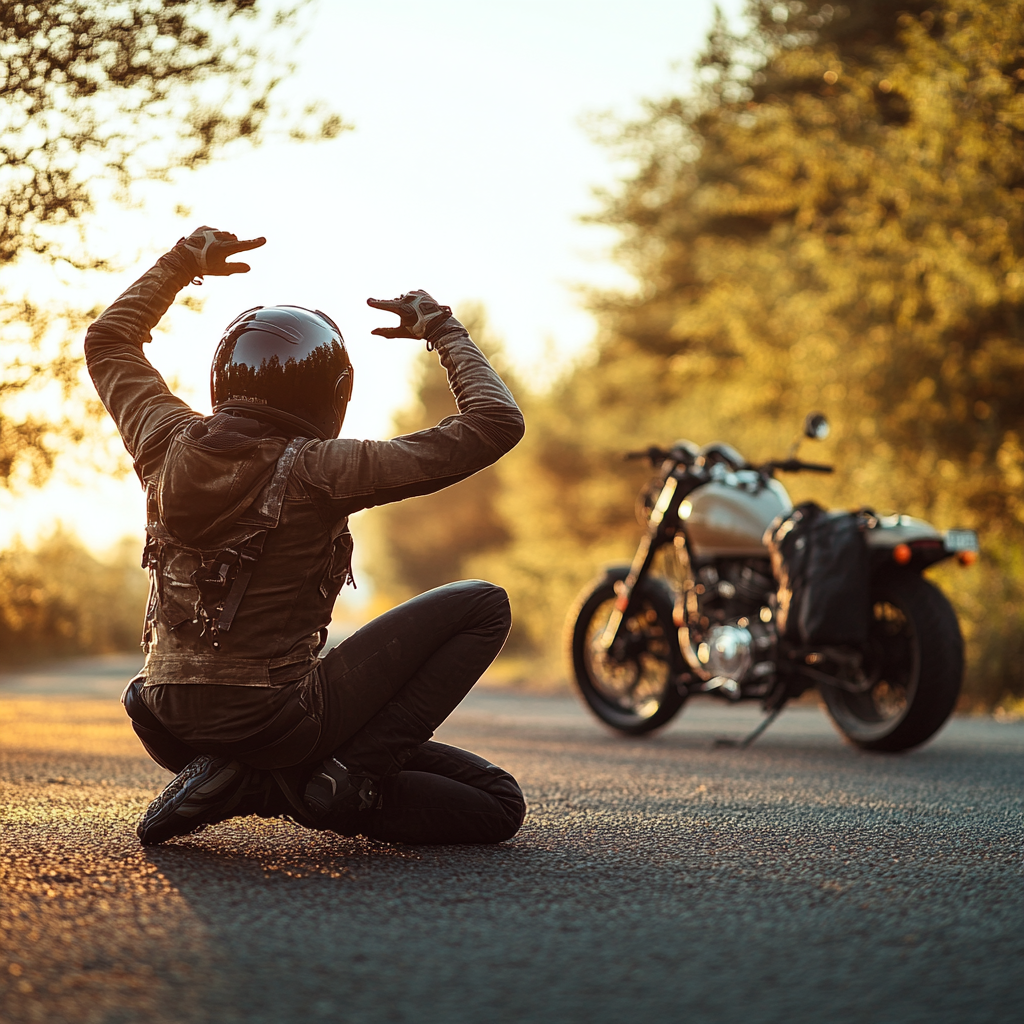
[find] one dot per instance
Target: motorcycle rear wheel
(638, 694)
(915, 658)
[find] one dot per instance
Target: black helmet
(288, 362)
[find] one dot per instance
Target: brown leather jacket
(203, 474)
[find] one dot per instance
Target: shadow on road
(798, 881)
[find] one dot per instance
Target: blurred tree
(25, 438)
(427, 541)
(58, 600)
(95, 96)
(832, 219)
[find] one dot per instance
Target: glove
(421, 316)
(210, 248)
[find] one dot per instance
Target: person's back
(248, 547)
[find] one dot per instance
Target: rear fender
(893, 530)
(927, 545)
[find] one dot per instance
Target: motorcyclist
(248, 547)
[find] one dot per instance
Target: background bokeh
(819, 208)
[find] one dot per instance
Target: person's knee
(491, 601)
(480, 591)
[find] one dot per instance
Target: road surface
(655, 880)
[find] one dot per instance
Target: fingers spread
(237, 268)
(390, 332)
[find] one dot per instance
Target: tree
(94, 97)
(831, 219)
(60, 601)
(848, 231)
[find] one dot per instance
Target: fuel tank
(727, 517)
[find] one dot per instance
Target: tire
(915, 657)
(637, 695)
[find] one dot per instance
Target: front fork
(610, 639)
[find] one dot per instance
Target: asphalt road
(657, 880)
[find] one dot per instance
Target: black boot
(208, 790)
(349, 781)
(333, 790)
(276, 793)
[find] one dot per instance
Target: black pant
(383, 691)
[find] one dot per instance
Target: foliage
(832, 220)
(26, 438)
(131, 91)
(988, 601)
(58, 600)
(847, 234)
(95, 96)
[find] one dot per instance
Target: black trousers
(382, 692)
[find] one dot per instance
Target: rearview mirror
(816, 426)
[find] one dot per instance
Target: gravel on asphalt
(658, 880)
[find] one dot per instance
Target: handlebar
(657, 455)
(796, 466)
(654, 453)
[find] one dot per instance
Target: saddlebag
(820, 561)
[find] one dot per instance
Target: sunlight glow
(465, 175)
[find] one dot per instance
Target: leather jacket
(205, 475)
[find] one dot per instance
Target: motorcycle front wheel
(636, 694)
(914, 663)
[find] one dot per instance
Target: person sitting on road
(248, 547)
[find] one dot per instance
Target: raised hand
(421, 315)
(211, 248)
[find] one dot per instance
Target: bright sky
(466, 174)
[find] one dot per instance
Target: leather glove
(210, 248)
(422, 317)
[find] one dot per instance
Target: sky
(466, 173)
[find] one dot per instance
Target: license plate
(961, 540)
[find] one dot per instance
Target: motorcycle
(697, 611)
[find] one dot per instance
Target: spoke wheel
(913, 663)
(634, 692)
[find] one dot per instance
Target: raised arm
(146, 413)
(359, 474)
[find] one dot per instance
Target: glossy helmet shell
(289, 362)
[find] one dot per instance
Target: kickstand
(747, 740)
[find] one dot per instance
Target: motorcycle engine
(727, 639)
(726, 651)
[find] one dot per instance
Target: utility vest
(219, 576)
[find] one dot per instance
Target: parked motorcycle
(698, 610)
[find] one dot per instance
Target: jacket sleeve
(360, 474)
(132, 390)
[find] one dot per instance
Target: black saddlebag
(820, 561)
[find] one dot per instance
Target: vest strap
(232, 567)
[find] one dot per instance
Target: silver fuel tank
(727, 517)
